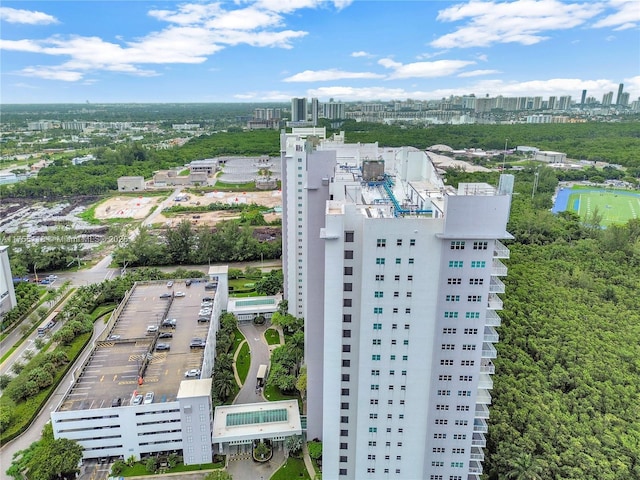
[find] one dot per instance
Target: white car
(193, 373)
(169, 284)
(152, 329)
(148, 398)
(179, 294)
(137, 400)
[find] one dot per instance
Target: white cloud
(521, 21)
(195, 31)
(327, 75)
(51, 73)
(14, 15)
(364, 93)
(439, 68)
(362, 54)
(478, 73)
(626, 16)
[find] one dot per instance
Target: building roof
(195, 388)
(232, 423)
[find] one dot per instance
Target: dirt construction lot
(140, 207)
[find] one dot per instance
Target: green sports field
(614, 206)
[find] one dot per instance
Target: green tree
(218, 475)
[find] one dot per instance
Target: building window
(373, 416)
(445, 378)
(396, 294)
(395, 309)
(347, 287)
(441, 421)
(373, 429)
(346, 348)
(380, 278)
(461, 408)
(348, 254)
(440, 436)
(411, 261)
(372, 443)
(410, 278)
(405, 342)
(344, 406)
(450, 314)
(412, 242)
(438, 450)
(346, 318)
(442, 407)
(392, 357)
(470, 331)
(464, 393)
(457, 245)
(348, 270)
(409, 294)
(456, 264)
(380, 261)
(397, 278)
(466, 378)
(346, 302)
(462, 423)
(457, 464)
(375, 357)
(478, 264)
(452, 298)
(448, 346)
(375, 372)
(454, 281)
(467, 363)
(346, 363)
(449, 331)
(446, 362)
(381, 242)
(377, 310)
(474, 298)
(345, 392)
(343, 471)
(476, 281)
(346, 333)
(468, 347)
(444, 393)
(472, 315)
(377, 326)
(407, 310)
(373, 401)
(399, 242)
(398, 261)
(378, 294)
(406, 326)
(376, 341)
(480, 245)
(348, 236)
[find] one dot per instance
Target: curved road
(259, 356)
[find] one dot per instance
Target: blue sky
(349, 50)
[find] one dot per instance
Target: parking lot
(127, 360)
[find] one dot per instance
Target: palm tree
(526, 467)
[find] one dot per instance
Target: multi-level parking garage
(132, 398)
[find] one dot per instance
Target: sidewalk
(307, 460)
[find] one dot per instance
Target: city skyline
(267, 51)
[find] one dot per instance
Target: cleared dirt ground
(126, 207)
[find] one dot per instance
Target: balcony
(473, 476)
(489, 351)
(482, 411)
(495, 303)
(498, 269)
(485, 382)
(493, 319)
(483, 397)
(490, 335)
(500, 250)
(478, 440)
(480, 426)
(477, 454)
(487, 367)
(475, 467)
(496, 285)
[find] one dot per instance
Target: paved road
(259, 356)
(34, 431)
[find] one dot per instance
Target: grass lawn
(141, 469)
(238, 338)
(292, 469)
(273, 394)
(272, 336)
(243, 362)
(616, 207)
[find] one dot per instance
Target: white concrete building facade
(399, 353)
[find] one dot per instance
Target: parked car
(207, 299)
(152, 329)
(114, 337)
(137, 400)
(116, 402)
(165, 335)
(188, 282)
(170, 322)
(165, 295)
(163, 347)
(179, 294)
(210, 286)
(197, 343)
(203, 319)
(193, 373)
(169, 284)
(206, 304)
(148, 397)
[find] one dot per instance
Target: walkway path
(254, 335)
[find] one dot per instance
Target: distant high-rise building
(552, 103)
(624, 99)
(564, 102)
(607, 99)
(583, 99)
(315, 111)
(298, 109)
(619, 97)
(334, 110)
(398, 288)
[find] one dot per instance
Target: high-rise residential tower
(298, 109)
(397, 277)
(620, 91)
